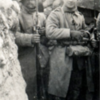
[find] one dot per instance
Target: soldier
(26, 38)
(64, 24)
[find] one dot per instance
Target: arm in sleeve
(22, 39)
(52, 28)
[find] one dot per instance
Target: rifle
(39, 70)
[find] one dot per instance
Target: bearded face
(31, 4)
(70, 3)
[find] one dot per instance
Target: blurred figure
(26, 39)
(47, 3)
(50, 5)
(57, 3)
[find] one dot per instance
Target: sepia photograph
(49, 49)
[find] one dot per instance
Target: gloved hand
(35, 38)
(76, 35)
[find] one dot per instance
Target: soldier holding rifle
(27, 37)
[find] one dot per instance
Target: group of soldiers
(55, 48)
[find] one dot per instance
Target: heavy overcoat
(27, 50)
(57, 27)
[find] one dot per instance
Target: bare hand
(35, 38)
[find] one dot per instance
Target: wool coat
(27, 49)
(58, 27)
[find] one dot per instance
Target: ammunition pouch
(74, 48)
(70, 42)
(78, 50)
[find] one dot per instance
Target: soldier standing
(65, 24)
(26, 38)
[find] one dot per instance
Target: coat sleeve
(22, 39)
(98, 24)
(53, 29)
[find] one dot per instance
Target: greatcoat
(58, 27)
(27, 50)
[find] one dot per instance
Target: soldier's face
(70, 3)
(31, 4)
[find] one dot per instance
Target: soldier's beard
(70, 4)
(30, 10)
(70, 7)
